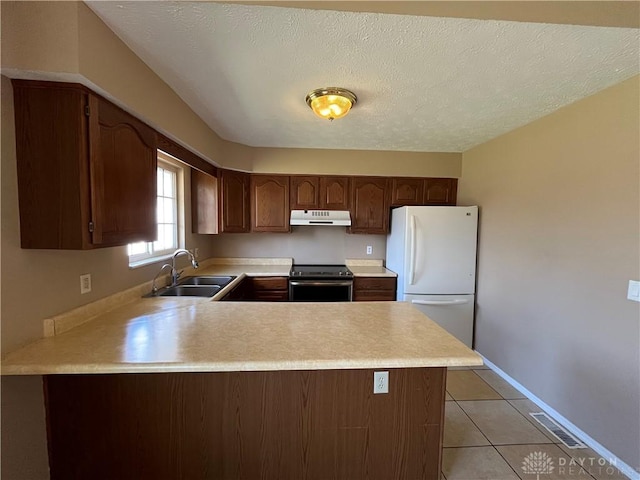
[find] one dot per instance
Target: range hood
(331, 218)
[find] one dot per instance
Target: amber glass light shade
(331, 103)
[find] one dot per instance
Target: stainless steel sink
(190, 291)
(207, 280)
(200, 286)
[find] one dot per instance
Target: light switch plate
(633, 293)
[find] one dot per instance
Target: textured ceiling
(423, 83)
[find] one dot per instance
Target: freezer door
(441, 244)
(454, 313)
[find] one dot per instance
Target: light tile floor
(489, 435)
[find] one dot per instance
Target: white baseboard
(597, 447)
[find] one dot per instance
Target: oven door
(320, 290)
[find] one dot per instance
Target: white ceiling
(423, 83)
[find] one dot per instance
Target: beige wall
(304, 244)
(40, 36)
(559, 240)
(364, 162)
(602, 13)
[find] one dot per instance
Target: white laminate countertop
(368, 268)
(172, 334)
(371, 271)
(256, 270)
(245, 336)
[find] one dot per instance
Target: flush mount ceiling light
(331, 102)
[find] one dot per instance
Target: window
(168, 217)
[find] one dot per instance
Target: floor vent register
(557, 431)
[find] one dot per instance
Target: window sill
(149, 261)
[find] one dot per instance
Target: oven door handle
(321, 283)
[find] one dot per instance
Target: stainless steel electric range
(320, 283)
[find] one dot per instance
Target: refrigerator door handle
(458, 301)
(412, 260)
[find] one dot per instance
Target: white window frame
(168, 163)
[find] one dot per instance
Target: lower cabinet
(314, 424)
(239, 292)
(269, 289)
(373, 289)
(261, 289)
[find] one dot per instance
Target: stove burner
(320, 271)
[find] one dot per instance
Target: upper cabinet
(234, 202)
(440, 191)
(305, 193)
(315, 192)
(369, 205)
(423, 191)
(407, 191)
(204, 203)
(86, 169)
(270, 203)
(334, 193)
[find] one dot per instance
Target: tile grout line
(491, 444)
(474, 423)
(625, 469)
(494, 446)
(553, 441)
(510, 466)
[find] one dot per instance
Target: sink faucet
(154, 287)
(175, 275)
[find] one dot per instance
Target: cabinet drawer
(374, 296)
(269, 283)
(374, 283)
(374, 289)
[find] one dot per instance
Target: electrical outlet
(380, 382)
(633, 293)
(196, 252)
(369, 249)
(85, 283)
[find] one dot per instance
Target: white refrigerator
(433, 251)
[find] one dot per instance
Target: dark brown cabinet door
(269, 203)
(310, 424)
(374, 289)
(204, 203)
(369, 205)
(123, 170)
(304, 193)
(440, 191)
(269, 289)
(334, 193)
(234, 202)
(86, 169)
(313, 192)
(407, 191)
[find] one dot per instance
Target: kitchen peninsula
(198, 389)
